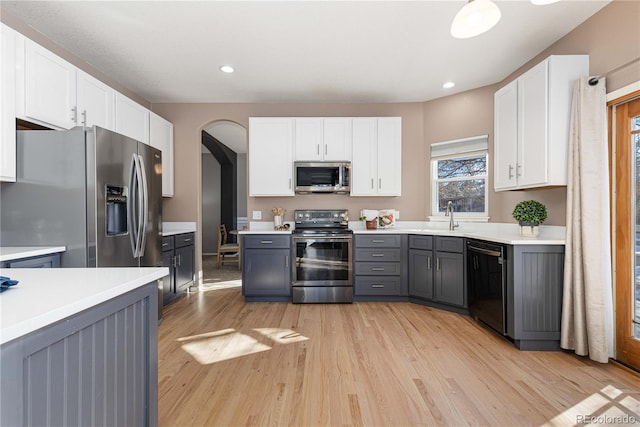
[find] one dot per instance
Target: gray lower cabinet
(535, 277)
(266, 267)
(380, 270)
(437, 270)
(42, 261)
(178, 253)
(98, 367)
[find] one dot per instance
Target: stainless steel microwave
(322, 177)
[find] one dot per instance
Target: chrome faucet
(449, 212)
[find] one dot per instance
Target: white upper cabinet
(95, 102)
(8, 39)
(50, 88)
(271, 156)
(318, 138)
(132, 119)
(308, 137)
(376, 168)
(161, 137)
(506, 136)
(531, 124)
(337, 138)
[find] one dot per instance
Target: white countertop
(172, 228)
(506, 233)
(44, 296)
(10, 253)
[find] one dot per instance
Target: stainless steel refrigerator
(94, 191)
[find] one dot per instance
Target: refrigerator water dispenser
(116, 206)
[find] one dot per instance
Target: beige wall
(610, 38)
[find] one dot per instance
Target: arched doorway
(224, 184)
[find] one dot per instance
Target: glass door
(626, 181)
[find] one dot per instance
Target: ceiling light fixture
(227, 69)
(475, 18)
(448, 85)
(542, 2)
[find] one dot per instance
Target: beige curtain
(587, 309)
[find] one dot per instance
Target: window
(459, 176)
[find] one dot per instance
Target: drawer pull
(377, 255)
(165, 244)
(377, 286)
(187, 240)
(377, 241)
(266, 242)
(377, 268)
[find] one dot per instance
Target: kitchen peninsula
(90, 332)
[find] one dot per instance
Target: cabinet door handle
(377, 268)
(377, 255)
(518, 167)
(377, 286)
(266, 242)
(74, 117)
(175, 262)
(84, 118)
(510, 171)
(318, 149)
(379, 183)
(437, 264)
(325, 149)
(372, 183)
(286, 261)
(179, 259)
(289, 183)
(429, 263)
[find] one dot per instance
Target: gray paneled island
(79, 347)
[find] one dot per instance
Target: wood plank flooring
(223, 362)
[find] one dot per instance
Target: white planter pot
(528, 230)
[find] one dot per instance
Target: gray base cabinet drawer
(449, 244)
(378, 241)
(43, 261)
(378, 268)
(167, 243)
(378, 285)
(421, 242)
(181, 240)
(265, 241)
(375, 255)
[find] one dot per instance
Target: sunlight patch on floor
(221, 345)
(213, 284)
(609, 406)
(281, 336)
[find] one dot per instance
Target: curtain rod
(594, 80)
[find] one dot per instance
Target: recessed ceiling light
(448, 85)
(226, 69)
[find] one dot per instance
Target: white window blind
(460, 146)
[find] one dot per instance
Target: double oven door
(323, 269)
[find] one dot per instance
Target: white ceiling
(297, 51)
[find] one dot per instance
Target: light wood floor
(224, 362)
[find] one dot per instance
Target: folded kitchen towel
(387, 218)
(6, 283)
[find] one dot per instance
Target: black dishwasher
(486, 276)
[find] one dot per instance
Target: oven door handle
(324, 239)
(483, 251)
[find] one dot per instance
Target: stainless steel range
(323, 244)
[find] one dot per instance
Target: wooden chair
(226, 248)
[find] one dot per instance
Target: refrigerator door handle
(145, 206)
(133, 228)
(140, 207)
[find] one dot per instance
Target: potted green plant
(529, 214)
